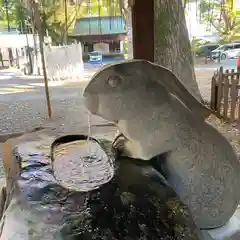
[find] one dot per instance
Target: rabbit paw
(125, 147)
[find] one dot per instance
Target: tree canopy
(222, 15)
(219, 14)
(53, 14)
(8, 9)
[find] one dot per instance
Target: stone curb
(5, 137)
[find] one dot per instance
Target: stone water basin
(231, 231)
(134, 203)
(132, 190)
(88, 167)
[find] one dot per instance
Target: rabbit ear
(173, 85)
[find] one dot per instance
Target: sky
(237, 3)
(194, 28)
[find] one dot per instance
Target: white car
(234, 53)
(231, 50)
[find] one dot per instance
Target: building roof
(99, 26)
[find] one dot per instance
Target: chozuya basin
(136, 203)
(136, 198)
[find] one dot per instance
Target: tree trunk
(126, 8)
(172, 45)
(129, 33)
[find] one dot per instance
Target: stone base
(230, 231)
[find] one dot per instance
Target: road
(23, 104)
(226, 64)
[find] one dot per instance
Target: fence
(225, 96)
(64, 62)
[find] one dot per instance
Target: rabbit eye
(114, 81)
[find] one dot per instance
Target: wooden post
(1, 57)
(238, 65)
(225, 95)
(213, 92)
(143, 29)
(35, 6)
(219, 91)
(17, 58)
(7, 14)
(234, 96)
(10, 56)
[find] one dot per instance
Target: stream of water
(82, 165)
(89, 133)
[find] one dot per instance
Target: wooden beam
(37, 17)
(143, 29)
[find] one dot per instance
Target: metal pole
(66, 20)
(41, 39)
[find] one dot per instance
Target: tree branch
(76, 13)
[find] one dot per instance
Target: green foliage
(222, 15)
(53, 14)
(125, 46)
(196, 43)
(53, 19)
(17, 15)
(10, 7)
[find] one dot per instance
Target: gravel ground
(232, 133)
(23, 111)
(69, 115)
(204, 83)
(1, 167)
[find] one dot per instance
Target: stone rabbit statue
(158, 118)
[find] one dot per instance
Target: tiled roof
(99, 26)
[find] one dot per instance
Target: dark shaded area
(136, 204)
(143, 30)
